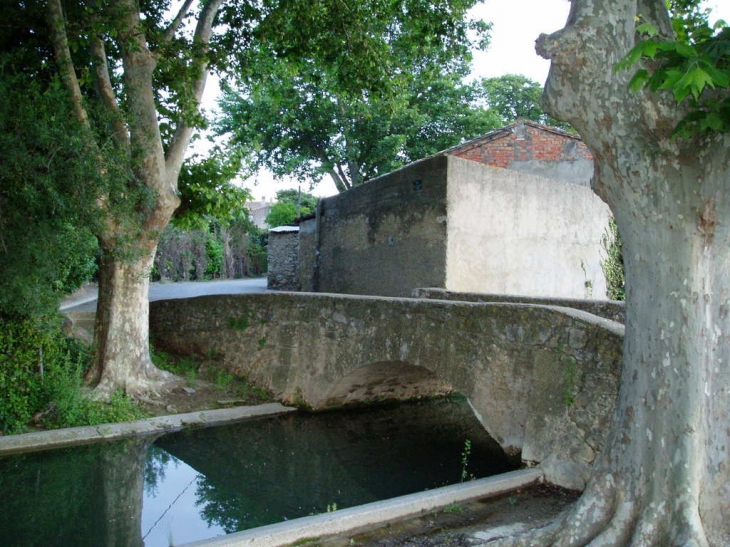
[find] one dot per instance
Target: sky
(516, 24)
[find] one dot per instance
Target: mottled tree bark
(664, 477)
(128, 243)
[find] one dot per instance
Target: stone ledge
(60, 438)
(380, 512)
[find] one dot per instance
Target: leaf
(638, 80)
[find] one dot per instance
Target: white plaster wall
(516, 233)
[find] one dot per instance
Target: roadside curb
(60, 438)
(380, 512)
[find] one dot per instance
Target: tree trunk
(664, 476)
(122, 358)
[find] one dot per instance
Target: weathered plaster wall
(388, 236)
(608, 309)
(542, 380)
(283, 258)
(514, 233)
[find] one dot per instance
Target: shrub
(613, 265)
(41, 372)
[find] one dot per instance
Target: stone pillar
(283, 258)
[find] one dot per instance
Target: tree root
(151, 382)
(607, 516)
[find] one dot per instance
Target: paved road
(85, 299)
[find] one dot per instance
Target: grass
(206, 370)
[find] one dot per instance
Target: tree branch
(105, 92)
(183, 132)
(62, 54)
(170, 31)
(345, 182)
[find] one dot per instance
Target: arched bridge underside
(543, 380)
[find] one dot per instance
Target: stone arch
(383, 381)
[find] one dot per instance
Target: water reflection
(197, 484)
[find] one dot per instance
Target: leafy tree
(290, 205)
(662, 477)
(281, 214)
(207, 193)
(513, 96)
(47, 248)
(309, 112)
(307, 202)
(134, 74)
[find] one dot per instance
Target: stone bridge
(542, 379)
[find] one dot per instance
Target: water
(202, 483)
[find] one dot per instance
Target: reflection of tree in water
(224, 508)
(154, 468)
(266, 471)
(86, 496)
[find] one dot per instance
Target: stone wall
(542, 380)
(306, 268)
(388, 236)
(515, 233)
(283, 259)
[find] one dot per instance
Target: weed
(453, 508)
(465, 454)
(240, 323)
(262, 343)
(569, 382)
(331, 507)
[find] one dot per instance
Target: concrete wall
(542, 380)
(283, 258)
(388, 236)
(514, 233)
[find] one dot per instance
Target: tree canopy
(290, 205)
(380, 86)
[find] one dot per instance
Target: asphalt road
(85, 299)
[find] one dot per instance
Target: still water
(197, 484)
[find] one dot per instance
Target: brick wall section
(523, 142)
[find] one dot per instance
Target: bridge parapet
(608, 309)
(542, 380)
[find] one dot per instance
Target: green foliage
(214, 254)
(257, 252)
(613, 264)
(369, 87)
(217, 251)
(41, 374)
(465, 455)
(207, 193)
(513, 96)
(694, 66)
(307, 202)
(281, 214)
(288, 203)
(47, 247)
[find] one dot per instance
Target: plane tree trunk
(664, 476)
(128, 240)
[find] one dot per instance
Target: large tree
(306, 111)
(135, 72)
(663, 478)
(143, 75)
